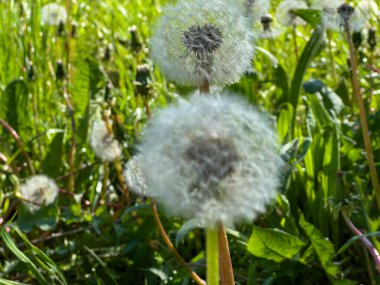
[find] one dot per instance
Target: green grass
(302, 239)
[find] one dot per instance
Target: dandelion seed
(53, 14)
(37, 191)
(212, 158)
(284, 13)
(103, 143)
(203, 41)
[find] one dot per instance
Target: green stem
(212, 256)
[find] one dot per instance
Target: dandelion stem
(73, 142)
(19, 143)
(171, 247)
(166, 238)
(212, 255)
(204, 87)
(294, 36)
(117, 164)
(362, 113)
(372, 250)
(226, 271)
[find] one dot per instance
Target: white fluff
(103, 143)
(175, 159)
(52, 14)
(37, 191)
(227, 63)
(284, 13)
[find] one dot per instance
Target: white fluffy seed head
(329, 11)
(52, 14)
(255, 9)
(37, 191)
(134, 177)
(197, 41)
(362, 15)
(284, 13)
(211, 158)
(103, 143)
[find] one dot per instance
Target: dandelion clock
(212, 158)
(203, 42)
(37, 191)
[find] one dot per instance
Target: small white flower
(199, 41)
(103, 143)
(134, 177)
(212, 158)
(255, 9)
(52, 14)
(284, 13)
(329, 9)
(38, 190)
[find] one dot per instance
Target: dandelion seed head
(329, 10)
(52, 14)
(134, 177)
(255, 9)
(103, 143)
(284, 13)
(212, 158)
(197, 41)
(37, 191)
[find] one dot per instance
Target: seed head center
(202, 40)
(213, 158)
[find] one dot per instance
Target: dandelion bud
(108, 52)
(372, 38)
(61, 29)
(103, 142)
(266, 21)
(212, 158)
(60, 70)
(357, 39)
(203, 41)
(143, 80)
(30, 71)
(38, 190)
(74, 27)
(136, 42)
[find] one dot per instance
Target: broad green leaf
(274, 244)
(313, 17)
(89, 79)
(52, 162)
(312, 48)
(294, 151)
(284, 122)
(185, 229)
(282, 80)
(322, 247)
(14, 105)
(45, 218)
